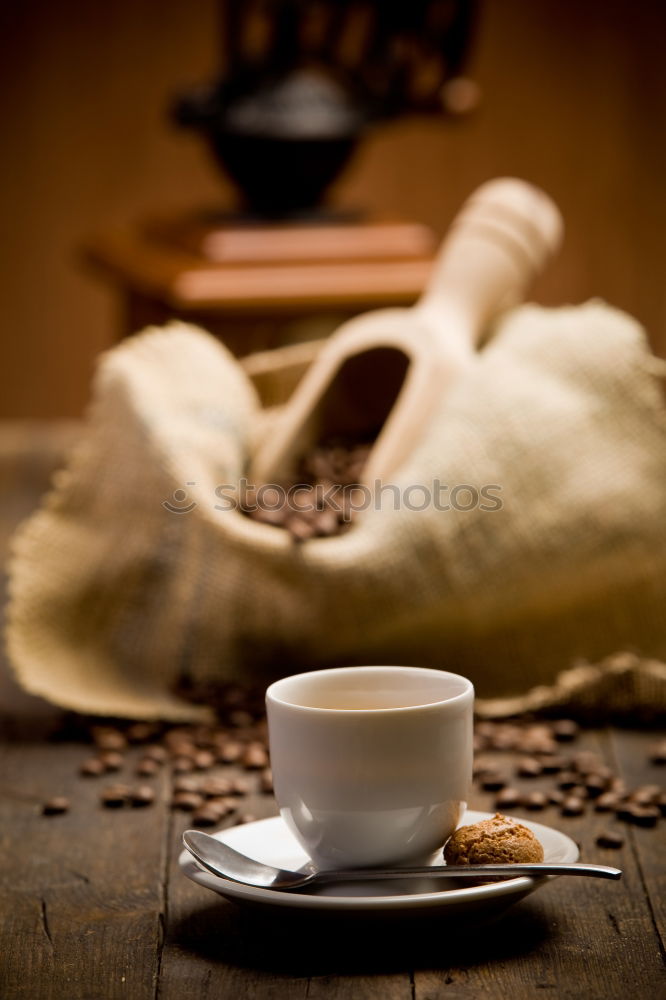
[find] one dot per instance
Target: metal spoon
(220, 859)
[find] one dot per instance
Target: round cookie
(493, 841)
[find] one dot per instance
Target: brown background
(574, 97)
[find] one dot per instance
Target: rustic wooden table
(93, 905)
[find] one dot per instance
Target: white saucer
(270, 841)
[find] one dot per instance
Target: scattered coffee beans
(573, 782)
(328, 497)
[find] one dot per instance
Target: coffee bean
(55, 806)
(565, 730)
(482, 766)
(587, 762)
(661, 803)
(568, 779)
(254, 756)
(203, 759)
(645, 795)
(106, 738)
(536, 744)
(203, 737)
(182, 765)
(639, 815)
(142, 795)
(186, 784)
(552, 763)
(214, 787)
(156, 753)
(183, 748)
(147, 767)
(139, 732)
(230, 753)
(493, 782)
(607, 802)
(266, 781)
(300, 529)
(187, 801)
(115, 796)
(222, 804)
(555, 796)
(507, 798)
(503, 740)
(179, 743)
(326, 523)
(484, 727)
(92, 767)
(573, 806)
(239, 786)
(529, 767)
(245, 818)
(276, 518)
(578, 792)
(206, 816)
(610, 838)
(535, 800)
(595, 785)
(657, 752)
(112, 760)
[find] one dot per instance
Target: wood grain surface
(94, 907)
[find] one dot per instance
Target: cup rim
(460, 696)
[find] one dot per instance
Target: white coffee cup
(371, 765)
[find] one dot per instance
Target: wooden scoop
(380, 375)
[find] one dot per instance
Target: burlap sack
(129, 577)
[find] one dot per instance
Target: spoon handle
(471, 871)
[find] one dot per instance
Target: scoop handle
(499, 241)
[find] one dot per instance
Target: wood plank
(215, 948)
(212, 947)
(593, 939)
(631, 752)
(81, 894)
